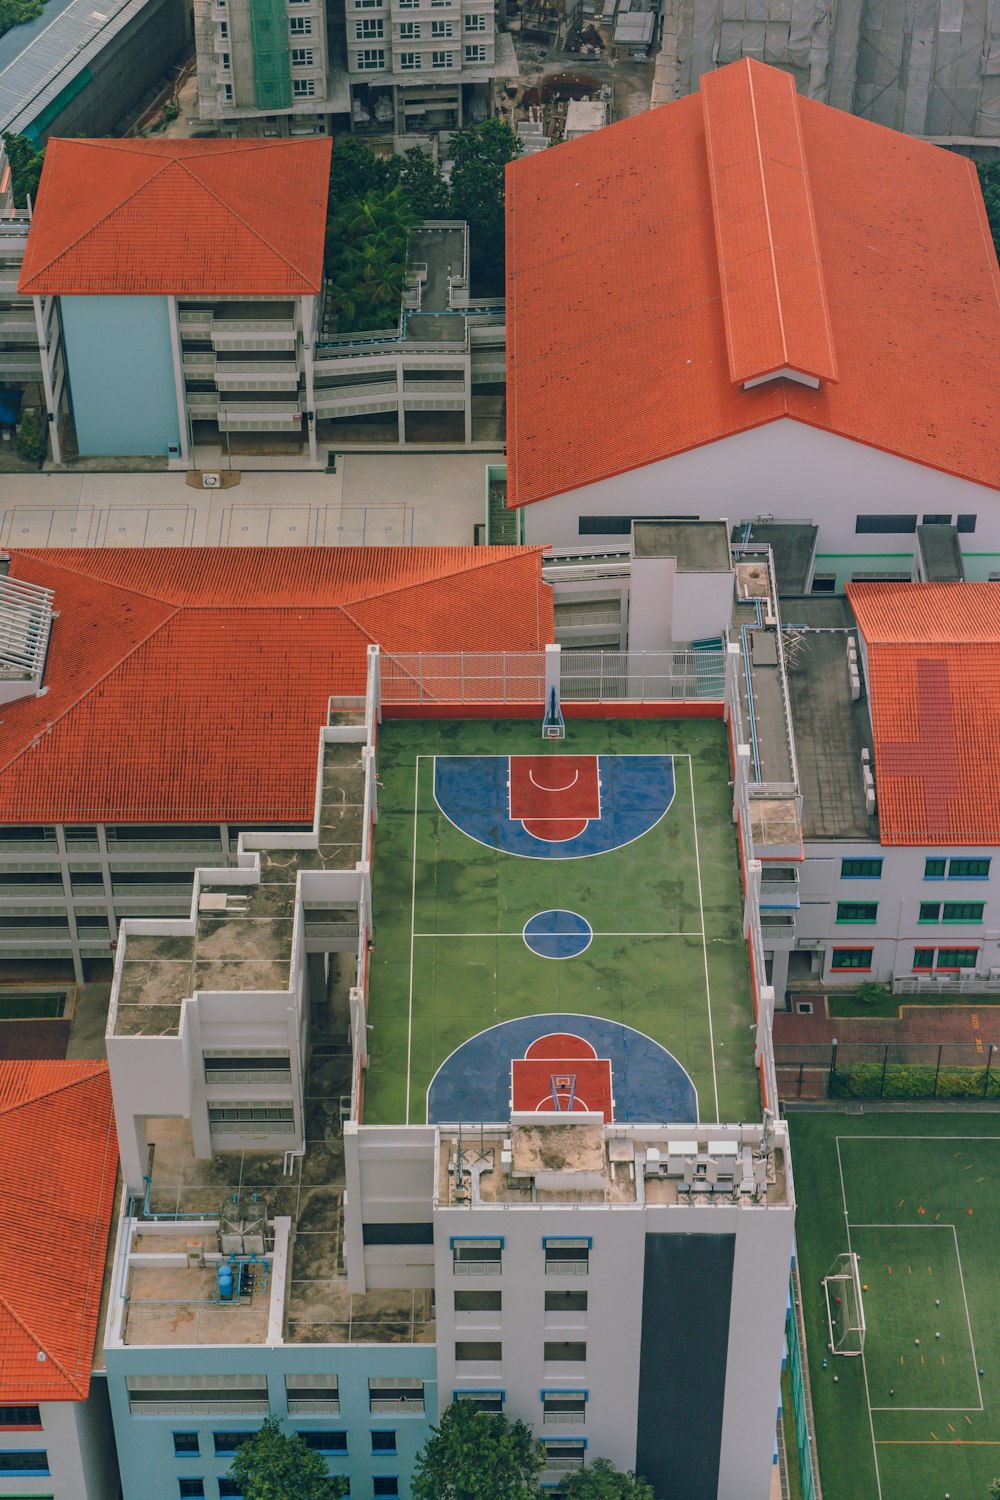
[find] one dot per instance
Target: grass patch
(847, 1004)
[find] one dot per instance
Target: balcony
(332, 398)
(567, 1267)
(433, 387)
(256, 375)
(256, 416)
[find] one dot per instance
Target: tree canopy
(602, 1481)
(275, 1465)
(989, 180)
(14, 12)
(366, 258)
(478, 1455)
(25, 165)
(480, 154)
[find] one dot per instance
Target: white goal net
(845, 1313)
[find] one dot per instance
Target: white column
(309, 305)
(175, 350)
(47, 382)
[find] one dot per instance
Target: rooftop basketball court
(561, 920)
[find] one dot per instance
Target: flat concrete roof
(698, 546)
(830, 730)
(942, 554)
(792, 546)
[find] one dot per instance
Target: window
(476, 1257)
(930, 911)
(186, 1442)
(956, 958)
(969, 869)
(397, 1234)
(824, 583)
(476, 52)
(965, 523)
(478, 1351)
(229, 1490)
(227, 92)
(409, 31)
(441, 59)
(569, 1353)
(923, 958)
(440, 29)
(565, 1301)
(228, 1442)
(302, 57)
(851, 958)
(937, 520)
(395, 1394)
(934, 869)
(370, 60)
(384, 1442)
(410, 62)
(303, 88)
(371, 28)
(566, 1257)
(300, 26)
(197, 1395)
(564, 1408)
(888, 525)
(485, 1400)
(857, 911)
(325, 1442)
(224, 63)
(251, 1066)
(312, 1393)
(223, 31)
(861, 869)
(963, 911)
(478, 1302)
(20, 1416)
(565, 1453)
(385, 1484)
(24, 1461)
(251, 1119)
(475, 23)
(192, 1487)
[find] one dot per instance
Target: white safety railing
(463, 677)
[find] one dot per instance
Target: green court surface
(667, 957)
(912, 1419)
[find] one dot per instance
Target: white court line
(594, 933)
(864, 1366)
(704, 945)
(413, 923)
(541, 788)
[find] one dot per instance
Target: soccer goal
(845, 1313)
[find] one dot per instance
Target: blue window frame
(383, 1440)
(185, 1443)
(968, 869)
(934, 869)
(324, 1442)
(228, 1442)
(229, 1490)
(195, 1488)
(385, 1484)
(24, 1461)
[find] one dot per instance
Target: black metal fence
(887, 1070)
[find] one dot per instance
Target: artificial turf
(909, 1420)
(470, 967)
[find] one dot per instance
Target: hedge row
(910, 1081)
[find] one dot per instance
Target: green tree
(15, 12)
(354, 171)
(989, 181)
(995, 1490)
(32, 437)
(480, 154)
(602, 1481)
(274, 1465)
(25, 165)
(367, 243)
(421, 183)
(478, 1455)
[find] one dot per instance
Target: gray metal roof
(39, 59)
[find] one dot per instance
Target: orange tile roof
(179, 217)
(188, 685)
(618, 346)
(934, 682)
(58, 1167)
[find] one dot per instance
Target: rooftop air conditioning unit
(211, 481)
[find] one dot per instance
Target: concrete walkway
(374, 499)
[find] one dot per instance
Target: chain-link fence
(887, 1070)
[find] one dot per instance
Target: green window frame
(861, 869)
(923, 958)
(930, 911)
(851, 958)
(857, 911)
(969, 869)
(963, 911)
(957, 958)
(934, 869)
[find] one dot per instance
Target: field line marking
(595, 933)
(968, 1320)
(864, 1366)
(413, 923)
(900, 1225)
(541, 788)
(704, 945)
(866, 1137)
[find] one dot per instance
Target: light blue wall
(149, 1470)
(121, 374)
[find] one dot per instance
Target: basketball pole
(552, 719)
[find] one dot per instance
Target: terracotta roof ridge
(139, 187)
(49, 1092)
(184, 163)
(456, 567)
(49, 1356)
(175, 610)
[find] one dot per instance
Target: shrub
(32, 437)
(870, 992)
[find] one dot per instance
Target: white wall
(784, 469)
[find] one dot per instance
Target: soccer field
(917, 1198)
(637, 922)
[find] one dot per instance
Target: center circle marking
(558, 934)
